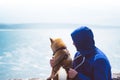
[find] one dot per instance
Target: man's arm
(101, 70)
(76, 76)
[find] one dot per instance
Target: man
(89, 62)
(96, 65)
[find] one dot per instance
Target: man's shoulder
(99, 55)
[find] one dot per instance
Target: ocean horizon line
(50, 25)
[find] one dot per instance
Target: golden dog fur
(61, 58)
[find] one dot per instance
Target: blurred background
(27, 25)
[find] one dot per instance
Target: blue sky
(99, 12)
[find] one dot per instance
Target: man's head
(83, 38)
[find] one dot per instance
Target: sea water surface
(25, 53)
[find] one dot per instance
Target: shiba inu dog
(61, 58)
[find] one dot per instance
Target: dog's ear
(51, 40)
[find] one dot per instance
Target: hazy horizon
(51, 26)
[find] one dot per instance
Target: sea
(25, 48)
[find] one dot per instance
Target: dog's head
(57, 43)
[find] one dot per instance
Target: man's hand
(72, 73)
(52, 62)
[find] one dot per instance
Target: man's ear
(51, 40)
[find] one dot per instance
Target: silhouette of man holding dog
(89, 63)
